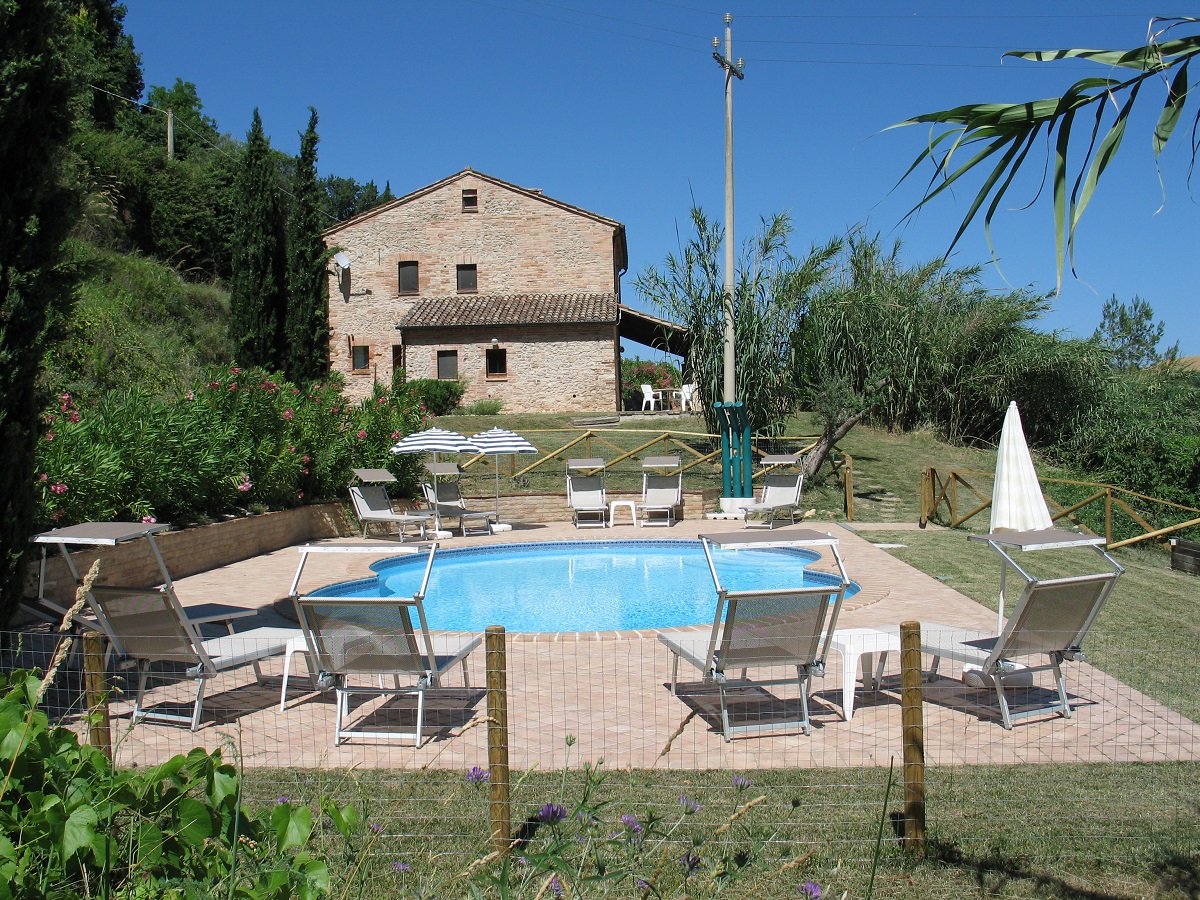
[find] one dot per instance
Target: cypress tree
(36, 213)
(257, 284)
(306, 349)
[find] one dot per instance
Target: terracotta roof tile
(512, 309)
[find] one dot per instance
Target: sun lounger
(1052, 617)
(447, 502)
(781, 493)
(783, 628)
(152, 628)
(376, 638)
(589, 506)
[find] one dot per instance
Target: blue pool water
(581, 585)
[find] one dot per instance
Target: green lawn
(1101, 831)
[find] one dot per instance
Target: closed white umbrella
(1017, 501)
(499, 442)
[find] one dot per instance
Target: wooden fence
(623, 449)
(942, 489)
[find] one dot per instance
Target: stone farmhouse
(473, 278)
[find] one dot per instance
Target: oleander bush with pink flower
(240, 439)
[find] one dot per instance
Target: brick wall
(550, 368)
(190, 551)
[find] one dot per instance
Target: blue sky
(618, 107)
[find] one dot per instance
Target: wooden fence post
(95, 690)
(497, 708)
(912, 722)
(848, 481)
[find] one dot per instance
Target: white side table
(631, 505)
(854, 643)
(297, 644)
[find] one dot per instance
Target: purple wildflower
(810, 890)
(641, 885)
(690, 862)
(551, 814)
(631, 823)
(398, 866)
(283, 799)
(476, 775)
(689, 806)
(556, 886)
(375, 827)
(741, 782)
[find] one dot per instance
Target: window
(409, 282)
(447, 363)
(497, 362)
(468, 279)
(360, 357)
(470, 200)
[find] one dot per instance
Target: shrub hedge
(239, 438)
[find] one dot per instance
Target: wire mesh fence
(595, 730)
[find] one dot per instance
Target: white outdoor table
(864, 643)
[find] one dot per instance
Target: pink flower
(191, 395)
(289, 415)
(49, 435)
(300, 495)
(148, 520)
(233, 387)
(59, 488)
(244, 485)
(307, 458)
(362, 435)
(235, 371)
(72, 416)
(395, 435)
(335, 409)
(295, 390)
(382, 400)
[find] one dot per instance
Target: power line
(859, 44)
(203, 137)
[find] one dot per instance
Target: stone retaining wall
(190, 551)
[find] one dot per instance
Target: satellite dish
(342, 259)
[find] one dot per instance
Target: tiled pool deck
(609, 690)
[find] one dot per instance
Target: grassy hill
(135, 322)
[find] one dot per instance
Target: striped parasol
(500, 442)
(435, 441)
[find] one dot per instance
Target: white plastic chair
(651, 398)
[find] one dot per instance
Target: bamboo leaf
(1104, 155)
(1133, 59)
(1172, 109)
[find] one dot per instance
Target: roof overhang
(652, 331)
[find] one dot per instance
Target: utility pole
(170, 134)
(732, 70)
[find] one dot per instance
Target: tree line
(84, 164)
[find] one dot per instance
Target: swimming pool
(581, 585)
